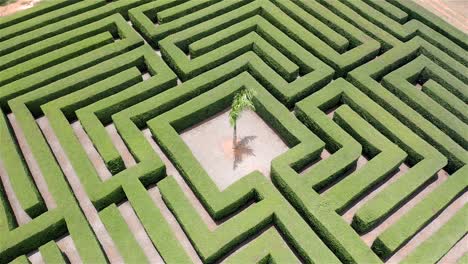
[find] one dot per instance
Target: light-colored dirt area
(211, 142)
(17, 6)
(454, 12)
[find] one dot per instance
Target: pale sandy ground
(211, 142)
(453, 11)
(17, 6)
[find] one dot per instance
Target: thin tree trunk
(234, 137)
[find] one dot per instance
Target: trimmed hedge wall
(422, 214)
(122, 236)
(212, 244)
(434, 248)
(367, 79)
(51, 253)
(84, 61)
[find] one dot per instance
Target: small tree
(242, 101)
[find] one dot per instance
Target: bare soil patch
(16, 6)
(211, 142)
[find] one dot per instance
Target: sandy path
(17, 6)
(85, 203)
(454, 12)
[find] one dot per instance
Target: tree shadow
(242, 150)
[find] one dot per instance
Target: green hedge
(81, 61)
(21, 181)
(51, 253)
(60, 111)
(123, 79)
(122, 236)
(425, 162)
(51, 17)
(433, 21)
(129, 40)
(268, 247)
(384, 156)
(276, 14)
(51, 30)
(445, 98)
(434, 248)
(26, 238)
(129, 121)
(7, 219)
(21, 260)
(422, 214)
(213, 244)
(44, 7)
(45, 61)
(94, 116)
(399, 83)
(367, 78)
(155, 224)
(28, 106)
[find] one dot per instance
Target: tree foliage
(242, 101)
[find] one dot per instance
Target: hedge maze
(370, 98)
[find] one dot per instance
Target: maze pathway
(111, 112)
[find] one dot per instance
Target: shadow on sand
(242, 150)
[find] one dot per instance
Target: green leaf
(242, 101)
